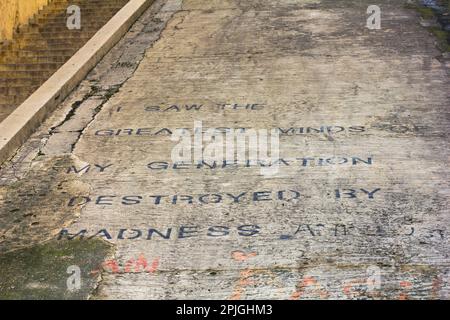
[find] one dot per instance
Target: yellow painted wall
(15, 13)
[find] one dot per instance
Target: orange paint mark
(309, 281)
(406, 285)
(242, 256)
(242, 282)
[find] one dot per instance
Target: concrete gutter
(20, 124)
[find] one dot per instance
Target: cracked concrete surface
(98, 165)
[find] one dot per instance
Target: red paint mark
(140, 264)
(111, 264)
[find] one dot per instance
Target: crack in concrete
(132, 47)
(159, 14)
(106, 96)
(107, 93)
(98, 89)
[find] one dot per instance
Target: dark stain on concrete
(34, 209)
(41, 272)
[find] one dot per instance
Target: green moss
(442, 37)
(40, 272)
(426, 13)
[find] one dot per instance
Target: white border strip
(23, 121)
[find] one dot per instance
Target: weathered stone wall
(15, 13)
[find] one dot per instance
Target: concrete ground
(358, 209)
